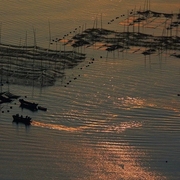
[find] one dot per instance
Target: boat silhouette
(20, 119)
(28, 105)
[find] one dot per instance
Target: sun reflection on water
(123, 126)
(120, 161)
(133, 102)
(108, 160)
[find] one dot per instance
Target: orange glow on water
(55, 126)
(108, 160)
(115, 128)
(124, 126)
(130, 102)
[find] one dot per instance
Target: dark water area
(115, 115)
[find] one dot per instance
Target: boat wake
(57, 126)
(90, 128)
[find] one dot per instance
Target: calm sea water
(118, 120)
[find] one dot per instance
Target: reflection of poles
(0, 31)
(61, 62)
(171, 28)
(34, 34)
(128, 22)
(8, 69)
(64, 53)
(133, 21)
(177, 30)
(56, 44)
(96, 22)
(1, 65)
(139, 23)
(147, 5)
(82, 29)
(164, 35)
(49, 35)
(41, 79)
(144, 5)
(49, 27)
(26, 42)
(101, 22)
(1, 77)
(178, 25)
(124, 41)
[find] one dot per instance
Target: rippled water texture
(116, 117)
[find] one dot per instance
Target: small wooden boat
(4, 98)
(10, 95)
(42, 108)
(20, 119)
(28, 105)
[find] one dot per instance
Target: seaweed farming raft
(33, 65)
(147, 31)
(140, 31)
